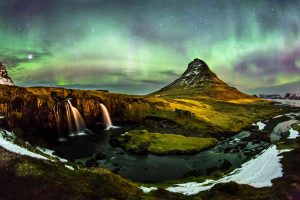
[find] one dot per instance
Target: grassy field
(141, 141)
(204, 117)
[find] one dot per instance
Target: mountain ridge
(277, 89)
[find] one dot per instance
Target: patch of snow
(51, 153)
(293, 134)
(284, 126)
(5, 81)
(6, 141)
(277, 116)
(257, 172)
(260, 125)
(62, 139)
(147, 189)
(69, 167)
(8, 145)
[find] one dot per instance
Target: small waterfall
(106, 117)
(58, 119)
(76, 123)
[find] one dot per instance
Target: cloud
(260, 64)
(152, 82)
(171, 73)
(15, 58)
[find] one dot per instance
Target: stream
(231, 152)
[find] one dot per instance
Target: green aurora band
(139, 46)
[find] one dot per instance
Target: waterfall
(76, 123)
(106, 117)
(58, 119)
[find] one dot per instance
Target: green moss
(296, 127)
(139, 141)
(27, 169)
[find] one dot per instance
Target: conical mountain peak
(199, 81)
(196, 75)
(197, 64)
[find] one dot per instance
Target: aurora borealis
(138, 46)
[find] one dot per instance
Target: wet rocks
(92, 163)
(257, 135)
(100, 156)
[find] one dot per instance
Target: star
(30, 56)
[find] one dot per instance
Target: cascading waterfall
(106, 117)
(76, 123)
(58, 119)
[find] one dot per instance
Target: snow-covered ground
(51, 153)
(10, 146)
(260, 125)
(290, 102)
(293, 134)
(277, 116)
(6, 141)
(257, 172)
(147, 189)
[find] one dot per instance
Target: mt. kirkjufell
(4, 78)
(199, 81)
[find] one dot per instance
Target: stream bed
(95, 149)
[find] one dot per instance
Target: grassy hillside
(28, 178)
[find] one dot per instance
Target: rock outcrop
(4, 78)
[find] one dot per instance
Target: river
(228, 153)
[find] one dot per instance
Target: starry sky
(138, 46)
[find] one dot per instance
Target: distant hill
(199, 81)
(278, 89)
(4, 78)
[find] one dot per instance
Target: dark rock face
(100, 156)
(4, 78)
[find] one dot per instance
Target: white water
(76, 123)
(106, 117)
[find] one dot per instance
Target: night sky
(139, 46)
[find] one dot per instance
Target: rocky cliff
(4, 78)
(31, 109)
